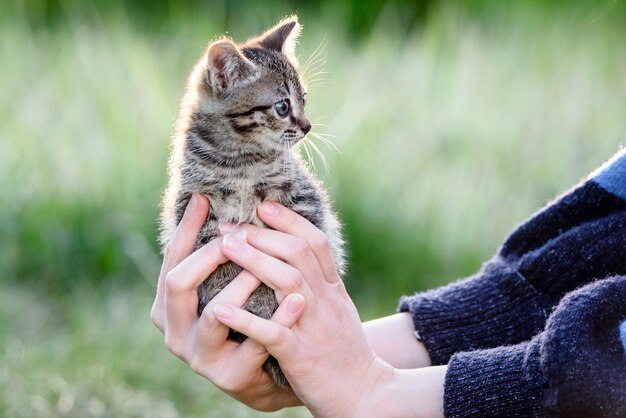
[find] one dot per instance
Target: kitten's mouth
(291, 138)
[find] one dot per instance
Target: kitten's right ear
(227, 68)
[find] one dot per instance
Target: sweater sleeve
(574, 240)
(496, 306)
(575, 368)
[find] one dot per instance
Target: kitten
(235, 141)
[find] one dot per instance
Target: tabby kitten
(235, 141)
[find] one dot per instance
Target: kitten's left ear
(283, 37)
(227, 68)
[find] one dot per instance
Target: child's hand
(202, 342)
(325, 355)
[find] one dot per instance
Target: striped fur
(232, 145)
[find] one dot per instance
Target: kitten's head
(255, 88)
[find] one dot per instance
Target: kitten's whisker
(314, 72)
(314, 67)
(285, 166)
(327, 142)
(315, 80)
(291, 169)
(320, 72)
(325, 135)
(316, 61)
(309, 155)
(246, 145)
(316, 54)
(322, 156)
(323, 118)
(316, 83)
(286, 153)
(313, 59)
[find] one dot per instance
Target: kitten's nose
(304, 124)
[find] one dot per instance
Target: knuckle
(341, 287)
(156, 318)
(252, 232)
(320, 240)
(258, 349)
(246, 322)
(266, 405)
(300, 247)
(227, 383)
(276, 336)
(197, 365)
(207, 320)
(173, 282)
(294, 281)
(175, 347)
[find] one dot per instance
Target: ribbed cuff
(493, 308)
(500, 382)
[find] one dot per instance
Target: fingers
(288, 221)
(181, 245)
(274, 334)
(294, 250)
(184, 240)
(250, 350)
(212, 333)
(181, 297)
(278, 275)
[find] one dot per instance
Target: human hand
(325, 354)
(202, 342)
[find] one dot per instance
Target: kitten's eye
(304, 99)
(282, 107)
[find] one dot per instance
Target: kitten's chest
(237, 201)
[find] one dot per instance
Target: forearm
(393, 339)
(406, 394)
(574, 368)
(573, 241)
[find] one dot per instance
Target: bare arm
(387, 334)
(409, 393)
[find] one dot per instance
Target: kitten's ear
(283, 37)
(227, 68)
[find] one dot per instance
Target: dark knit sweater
(490, 319)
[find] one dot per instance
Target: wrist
(404, 393)
(378, 394)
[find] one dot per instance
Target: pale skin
(337, 367)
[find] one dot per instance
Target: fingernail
(234, 242)
(193, 202)
(224, 311)
(296, 302)
(227, 228)
(269, 208)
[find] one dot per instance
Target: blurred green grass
(449, 136)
